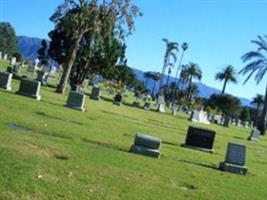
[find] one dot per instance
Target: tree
(42, 53)
(193, 92)
(184, 48)
(258, 63)
(225, 103)
(171, 47)
(190, 72)
(156, 76)
(76, 19)
(245, 114)
(227, 74)
(147, 75)
(258, 102)
(8, 40)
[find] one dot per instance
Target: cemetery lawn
(48, 151)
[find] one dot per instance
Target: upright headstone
(147, 106)
(136, 104)
(36, 63)
(42, 77)
(16, 69)
(118, 99)
(5, 80)
(76, 101)
(200, 138)
(13, 61)
(30, 88)
(226, 121)
(146, 145)
(235, 159)
(31, 68)
(1, 55)
(95, 94)
(199, 116)
(255, 134)
(5, 57)
(161, 104)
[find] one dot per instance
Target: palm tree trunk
(178, 69)
(163, 70)
(256, 115)
(153, 90)
(189, 88)
(262, 123)
(224, 86)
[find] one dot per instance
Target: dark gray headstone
(146, 145)
(147, 106)
(226, 121)
(236, 154)
(118, 99)
(255, 134)
(200, 138)
(95, 94)
(76, 101)
(136, 104)
(235, 159)
(5, 80)
(30, 88)
(42, 77)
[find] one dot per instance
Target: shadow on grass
(28, 130)
(106, 99)
(171, 143)
(105, 145)
(57, 118)
(211, 166)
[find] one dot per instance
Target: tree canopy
(8, 39)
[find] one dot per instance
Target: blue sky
(218, 32)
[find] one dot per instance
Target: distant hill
(28, 47)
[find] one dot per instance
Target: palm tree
(184, 47)
(147, 75)
(192, 71)
(258, 64)
(169, 72)
(171, 47)
(183, 76)
(156, 76)
(258, 102)
(227, 74)
(194, 91)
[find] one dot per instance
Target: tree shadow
(104, 145)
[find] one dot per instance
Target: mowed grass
(48, 151)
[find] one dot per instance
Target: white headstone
(13, 61)
(36, 62)
(5, 57)
(0, 55)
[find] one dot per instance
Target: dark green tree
(8, 40)
(228, 74)
(258, 102)
(76, 20)
(227, 104)
(42, 53)
(245, 114)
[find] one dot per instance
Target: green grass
(65, 154)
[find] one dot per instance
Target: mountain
(28, 47)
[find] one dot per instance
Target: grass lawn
(48, 151)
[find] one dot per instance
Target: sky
(218, 32)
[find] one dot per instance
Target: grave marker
(146, 145)
(5, 80)
(30, 88)
(76, 101)
(235, 159)
(95, 94)
(200, 138)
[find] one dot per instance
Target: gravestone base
(136, 104)
(253, 139)
(145, 151)
(236, 169)
(198, 148)
(117, 103)
(147, 106)
(75, 108)
(36, 97)
(161, 108)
